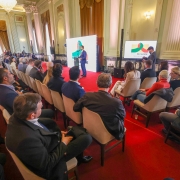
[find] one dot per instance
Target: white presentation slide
(138, 49)
(73, 50)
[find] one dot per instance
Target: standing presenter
(82, 59)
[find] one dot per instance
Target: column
(39, 34)
(50, 4)
(66, 13)
(29, 24)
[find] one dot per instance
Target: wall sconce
(148, 14)
(22, 40)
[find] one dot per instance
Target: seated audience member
(148, 72)
(8, 93)
(56, 82)
(22, 65)
(49, 72)
(13, 63)
(167, 118)
(37, 71)
(175, 77)
(6, 59)
(41, 146)
(109, 108)
(162, 83)
(130, 73)
(30, 66)
(163, 66)
(72, 89)
(34, 56)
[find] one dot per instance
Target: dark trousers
(83, 67)
(167, 119)
(76, 62)
(1, 173)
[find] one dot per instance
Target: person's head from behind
(104, 81)
(6, 77)
(175, 73)
(148, 63)
(31, 62)
(82, 47)
(163, 65)
(57, 70)
(74, 73)
(150, 49)
(163, 75)
(129, 66)
(37, 63)
(27, 106)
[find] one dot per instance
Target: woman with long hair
(129, 73)
(49, 72)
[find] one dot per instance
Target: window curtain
(92, 18)
(45, 19)
(4, 38)
(4, 35)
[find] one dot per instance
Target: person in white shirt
(130, 73)
(30, 66)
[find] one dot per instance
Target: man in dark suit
(109, 108)
(152, 56)
(82, 59)
(72, 89)
(148, 72)
(56, 82)
(37, 71)
(8, 93)
(40, 145)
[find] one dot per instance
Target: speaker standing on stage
(82, 59)
(152, 56)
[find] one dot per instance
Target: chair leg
(167, 134)
(123, 142)
(56, 114)
(102, 154)
(148, 118)
(76, 173)
(133, 110)
(64, 119)
(67, 121)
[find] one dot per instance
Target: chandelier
(8, 4)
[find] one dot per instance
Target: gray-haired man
(109, 108)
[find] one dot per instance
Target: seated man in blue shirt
(72, 89)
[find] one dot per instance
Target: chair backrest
(29, 81)
(33, 84)
(6, 115)
(148, 82)
(24, 78)
(176, 99)
(95, 127)
(26, 173)
(47, 93)
(38, 84)
(57, 100)
(155, 104)
(131, 87)
(17, 73)
(75, 116)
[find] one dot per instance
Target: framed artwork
(19, 18)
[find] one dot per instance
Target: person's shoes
(164, 131)
(128, 102)
(84, 159)
(83, 76)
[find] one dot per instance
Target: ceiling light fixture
(8, 5)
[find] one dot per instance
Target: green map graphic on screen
(140, 47)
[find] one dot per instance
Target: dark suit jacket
(110, 109)
(174, 84)
(72, 90)
(55, 84)
(41, 151)
(147, 73)
(153, 58)
(7, 96)
(83, 56)
(36, 74)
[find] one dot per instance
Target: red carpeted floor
(146, 156)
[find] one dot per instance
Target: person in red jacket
(141, 94)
